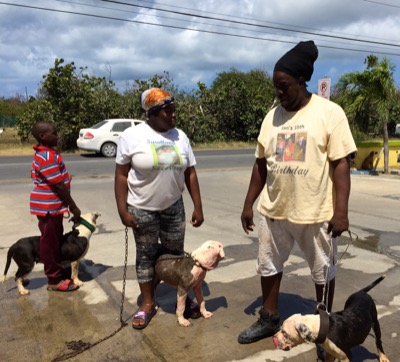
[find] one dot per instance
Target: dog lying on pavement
(347, 329)
(74, 246)
(188, 272)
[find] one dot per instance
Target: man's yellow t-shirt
(299, 184)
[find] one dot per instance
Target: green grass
(10, 144)
(378, 143)
(222, 145)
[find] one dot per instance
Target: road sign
(324, 87)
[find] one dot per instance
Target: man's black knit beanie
(299, 61)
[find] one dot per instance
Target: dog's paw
(23, 292)
(77, 282)
(183, 322)
(382, 357)
(206, 314)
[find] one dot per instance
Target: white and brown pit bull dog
(74, 246)
(347, 329)
(188, 272)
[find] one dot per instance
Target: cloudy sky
(193, 40)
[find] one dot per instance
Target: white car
(397, 131)
(103, 136)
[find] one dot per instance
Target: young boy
(49, 201)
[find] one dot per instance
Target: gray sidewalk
(37, 327)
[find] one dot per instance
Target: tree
(10, 108)
(368, 97)
(241, 101)
(195, 116)
(394, 117)
(71, 100)
(231, 110)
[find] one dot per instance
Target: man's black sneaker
(266, 326)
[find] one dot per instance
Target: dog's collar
(195, 261)
(85, 223)
(323, 325)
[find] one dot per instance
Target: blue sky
(192, 40)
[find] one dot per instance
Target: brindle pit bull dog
(188, 272)
(74, 246)
(347, 329)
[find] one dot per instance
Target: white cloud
(31, 39)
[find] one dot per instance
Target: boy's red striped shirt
(48, 169)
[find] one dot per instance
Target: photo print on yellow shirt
(291, 146)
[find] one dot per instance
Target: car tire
(109, 149)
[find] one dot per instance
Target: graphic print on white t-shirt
(166, 157)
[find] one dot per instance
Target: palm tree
(367, 97)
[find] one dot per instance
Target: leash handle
(325, 291)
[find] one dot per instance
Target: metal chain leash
(79, 347)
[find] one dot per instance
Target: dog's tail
(10, 254)
(373, 284)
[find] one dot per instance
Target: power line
(246, 18)
(252, 24)
(182, 20)
(193, 29)
(384, 4)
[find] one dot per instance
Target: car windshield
(98, 125)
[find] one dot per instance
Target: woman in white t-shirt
(154, 163)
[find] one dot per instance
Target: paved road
(36, 327)
(91, 165)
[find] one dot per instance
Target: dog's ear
(304, 332)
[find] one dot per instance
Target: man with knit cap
(304, 193)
